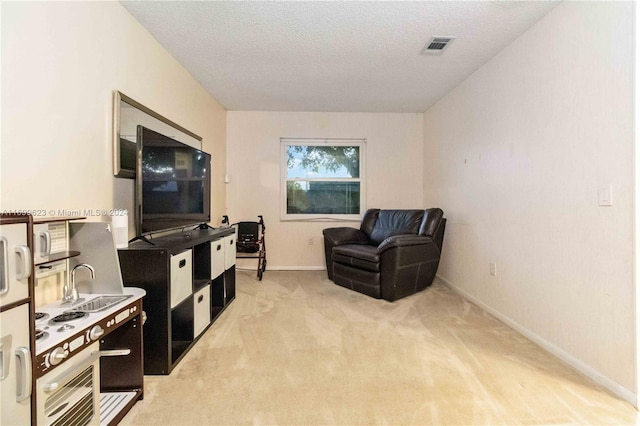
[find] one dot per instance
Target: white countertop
(55, 337)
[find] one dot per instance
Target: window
(322, 179)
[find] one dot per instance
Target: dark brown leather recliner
(394, 254)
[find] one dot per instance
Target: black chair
(395, 253)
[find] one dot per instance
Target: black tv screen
(173, 183)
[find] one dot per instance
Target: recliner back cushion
(430, 222)
(395, 222)
(369, 220)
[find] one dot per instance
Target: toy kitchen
(70, 332)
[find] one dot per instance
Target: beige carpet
(297, 349)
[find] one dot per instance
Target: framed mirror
(127, 115)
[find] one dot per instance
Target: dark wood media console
(190, 280)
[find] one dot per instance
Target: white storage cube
(181, 277)
(229, 251)
(217, 258)
(201, 310)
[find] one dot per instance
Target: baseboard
(289, 268)
(619, 390)
(297, 268)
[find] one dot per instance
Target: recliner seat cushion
(365, 282)
(395, 222)
(360, 256)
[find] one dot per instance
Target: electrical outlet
(310, 241)
(492, 269)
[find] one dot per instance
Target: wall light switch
(605, 195)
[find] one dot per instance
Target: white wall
(61, 62)
(636, 209)
(394, 170)
(515, 156)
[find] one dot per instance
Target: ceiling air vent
(437, 45)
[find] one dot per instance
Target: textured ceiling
(332, 56)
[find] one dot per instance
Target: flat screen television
(173, 184)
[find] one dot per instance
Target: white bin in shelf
(217, 258)
(201, 310)
(229, 251)
(181, 277)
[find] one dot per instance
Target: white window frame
(285, 142)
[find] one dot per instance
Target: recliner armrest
(404, 240)
(345, 235)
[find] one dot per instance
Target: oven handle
(24, 380)
(45, 248)
(63, 379)
(66, 377)
(114, 352)
(25, 254)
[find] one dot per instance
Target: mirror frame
(118, 97)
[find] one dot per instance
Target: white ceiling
(333, 56)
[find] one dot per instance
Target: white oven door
(69, 395)
(15, 367)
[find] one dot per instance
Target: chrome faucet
(71, 293)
